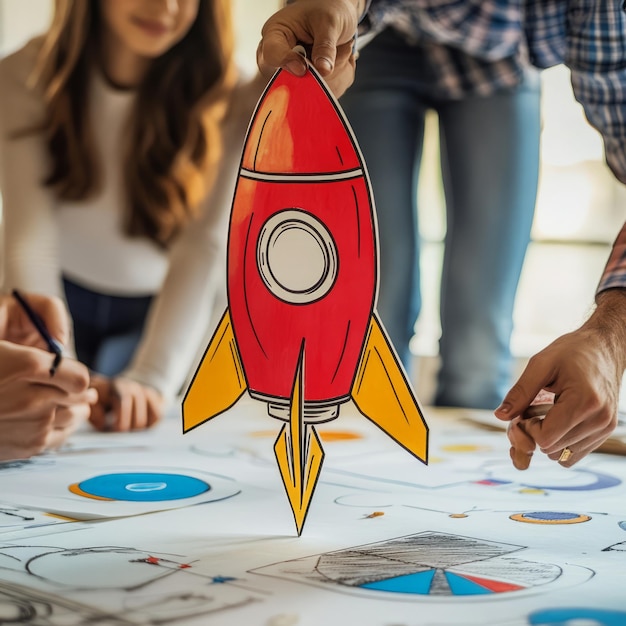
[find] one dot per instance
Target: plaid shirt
(589, 36)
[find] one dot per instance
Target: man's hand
(325, 27)
(124, 404)
(584, 370)
(37, 411)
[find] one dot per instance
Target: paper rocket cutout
(301, 332)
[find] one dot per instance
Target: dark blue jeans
(489, 159)
(107, 328)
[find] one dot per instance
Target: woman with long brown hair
(120, 133)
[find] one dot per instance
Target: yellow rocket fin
(299, 453)
(219, 380)
(383, 394)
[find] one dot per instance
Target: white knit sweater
(45, 238)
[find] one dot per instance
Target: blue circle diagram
(572, 616)
(141, 487)
(550, 517)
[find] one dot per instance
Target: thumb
(533, 379)
(54, 315)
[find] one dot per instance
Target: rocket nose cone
(297, 128)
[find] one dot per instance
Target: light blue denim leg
(490, 156)
(490, 153)
(116, 351)
(388, 122)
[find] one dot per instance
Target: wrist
(360, 6)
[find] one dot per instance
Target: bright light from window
(567, 138)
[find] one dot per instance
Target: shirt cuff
(614, 275)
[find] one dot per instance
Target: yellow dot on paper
(532, 491)
(465, 447)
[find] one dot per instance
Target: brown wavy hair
(174, 139)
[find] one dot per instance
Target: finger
(343, 74)
(589, 445)
(344, 54)
(567, 423)
(54, 315)
(581, 449)
(123, 407)
(66, 421)
(139, 419)
(31, 440)
(98, 416)
(89, 396)
(102, 384)
(522, 445)
(276, 50)
(70, 418)
(155, 408)
(70, 376)
(534, 379)
(583, 438)
(43, 398)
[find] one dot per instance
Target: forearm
(608, 323)
(609, 317)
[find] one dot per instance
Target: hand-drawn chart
(429, 564)
(111, 585)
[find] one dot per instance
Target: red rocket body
(302, 246)
(301, 331)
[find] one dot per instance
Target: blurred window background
(580, 207)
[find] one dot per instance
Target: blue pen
(53, 345)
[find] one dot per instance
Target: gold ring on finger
(565, 455)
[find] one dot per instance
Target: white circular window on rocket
(296, 257)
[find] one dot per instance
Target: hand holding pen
(39, 405)
(51, 344)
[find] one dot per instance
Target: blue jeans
(107, 329)
(489, 159)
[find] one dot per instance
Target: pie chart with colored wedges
(443, 582)
(429, 565)
(436, 564)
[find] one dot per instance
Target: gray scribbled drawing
(15, 518)
(12, 516)
(616, 547)
(110, 585)
(20, 605)
(22, 465)
(429, 565)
